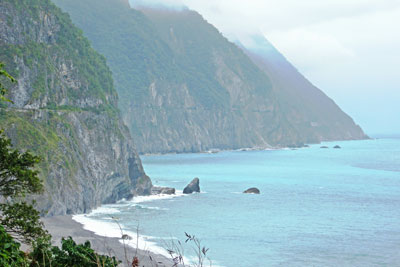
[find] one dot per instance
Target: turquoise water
(317, 207)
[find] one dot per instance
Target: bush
(10, 253)
(70, 254)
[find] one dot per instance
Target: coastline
(65, 226)
(256, 148)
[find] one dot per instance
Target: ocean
(317, 207)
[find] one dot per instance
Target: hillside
(65, 110)
(186, 88)
(299, 99)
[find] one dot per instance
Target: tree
(3, 90)
(18, 178)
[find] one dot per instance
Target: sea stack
(252, 190)
(194, 186)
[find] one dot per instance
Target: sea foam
(111, 229)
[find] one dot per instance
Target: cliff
(65, 110)
(186, 88)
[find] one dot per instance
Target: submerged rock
(252, 190)
(158, 190)
(194, 186)
(324, 147)
(337, 147)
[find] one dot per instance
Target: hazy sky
(348, 48)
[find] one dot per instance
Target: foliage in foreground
(176, 251)
(10, 253)
(20, 221)
(70, 254)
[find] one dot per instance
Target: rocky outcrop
(193, 187)
(252, 190)
(156, 190)
(65, 111)
(337, 147)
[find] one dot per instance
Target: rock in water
(194, 186)
(157, 190)
(324, 147)
(252, 190)
(337, 147)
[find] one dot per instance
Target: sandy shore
(64, 226)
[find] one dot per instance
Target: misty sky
(348, 48)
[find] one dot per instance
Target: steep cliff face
(186, 88)
(65, 110)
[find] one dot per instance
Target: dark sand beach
(64, 226)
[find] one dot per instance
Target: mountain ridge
(186, 88)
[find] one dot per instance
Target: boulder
(158, 190)
(337, 147)
(252, 190)
(194, 186)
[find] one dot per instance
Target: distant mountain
(307, 108)
(65, 110)
(186, 88)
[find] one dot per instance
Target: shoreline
(65, 226)
(216, 150)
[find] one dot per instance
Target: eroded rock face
(65, 114)
(252, 190)
(193, 187)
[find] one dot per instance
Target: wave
(150, 208)
(112, 230)
(105, 210)
(142, 199)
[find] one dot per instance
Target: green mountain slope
(186, 88)
(65, 110)
(307, 108)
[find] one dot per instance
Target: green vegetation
(141, 49)
(175, 68)
(44, 138)
(65, 81)
(8, 78)
(21, 221)
(70, 254)
(64, 55)
(10, 253)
